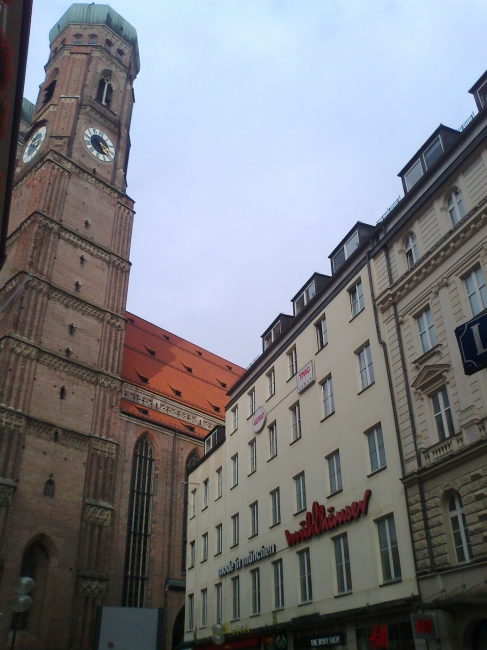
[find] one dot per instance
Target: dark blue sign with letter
(472, 339)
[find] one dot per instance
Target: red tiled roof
(162, 419)
(166, 364)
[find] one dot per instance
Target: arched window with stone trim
(455, 207)
(105, 91)
(459, 529)
(191, 461)
(139, 525)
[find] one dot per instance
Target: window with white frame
(253, 455)
(461, 538)
(366, 368)
(193, 503)
(235, 529)
(413, 174)
(252, 401)
(190, 611)
(192, 554)
(476, 291)
(204, 547)
(302, 300)
(321, 333)
(272, 440)
(206, 492)
(442, 413)
(455, 207)
(377, 453)
(300, 486)
(204, 607)
(292, 362)
(433, 152)
(342, 563)
(219, 602)
(278, 584)
(255, 578)
(335, 472)
(296, 422)
(389, 551)
(306, 589)
(219, 538)
(236, 597)
(219, 482)
(271, 382)
(235, 418)
(345, 251)
(411, 250)
(234, 470)
(426, 328)
(254, 518)
(356, 299)
(275, 507)
(328, 399)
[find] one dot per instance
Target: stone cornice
(153, 426)
(436, 256)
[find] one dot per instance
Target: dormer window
(433, 152)
(413, 175)
(344, 253)
(482, 93)
(271, 336)
(213, 438)
(305, 297)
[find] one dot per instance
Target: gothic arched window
(461, 538)
(105, 91)
(34, 565)
(139, 525)
(49, 488)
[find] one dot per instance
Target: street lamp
(21, 602)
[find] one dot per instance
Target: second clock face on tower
(99, 144)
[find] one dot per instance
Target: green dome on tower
(92, 14)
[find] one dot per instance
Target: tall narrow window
(328, 399)
(461, 538)
(49, 488)
(255, 577)
(321, 333)
(35, 565)
(366, 368)
(236, 597)
(335, 472)
(389, 551)
(252, 401)
(219, 602)
(271, 382)
(356, 299)
(292, 362)
(296, 422)
(235, 418)
(377, 452)
(426, 330)
(342, 561)
(105, 91)
(253, 455)
(278, 584)
(190, 611)
(206, 492)
(306, 590)
(189, 508)
(235, 529)
(275, 506)
(300, 486)
(455, 207)
(235, 470)
(273, 440)
(192, 554)
(219, 482)
(204, 547)
(204, 607)
(219, 538)
(139, 525)
(442, 413)
(254, 518)
(476, 291)
(411, 250)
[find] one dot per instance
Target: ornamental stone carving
(98, 513)
(92, 587)
(11, 420)
(103, 447)
(7, 489)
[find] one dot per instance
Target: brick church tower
(62, 319)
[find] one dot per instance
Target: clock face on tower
(34, 144)
(99, 144)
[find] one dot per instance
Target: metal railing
(390, 209)
(467, 122)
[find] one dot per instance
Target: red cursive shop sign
(378, 637)
(318, 522)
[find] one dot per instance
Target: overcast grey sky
(262, 130)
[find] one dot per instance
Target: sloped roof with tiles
(165, 364)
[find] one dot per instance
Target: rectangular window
(276, 506)
(236, 597)
(190, 611)
(342, 561)
(426, 330)
(442, 413)
(254, 518)
(300, 492)
(413, 175)
(377, 452)
(204, 607)
(293, 362)
(328, 399)
(252, 401)
(271, 382)
(235, 418)
(335, 472)
(219, 602)
(204, 550)
(235, 529)
(302, 300)
(356, 299)
(366, 368)
(219, 538)
(192, 554)
(273, 440)
(433, 152)
(235, 470)
(296, 422)
(255, 577)
(193, 503)
(278, 584)
(253, 455)
(306, 591)
(389, 552)
(206, 492)
(219, 482)
(476, 291)
(321, 333)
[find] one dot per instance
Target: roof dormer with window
(276, 328)
(309, 291)
(359, 233)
